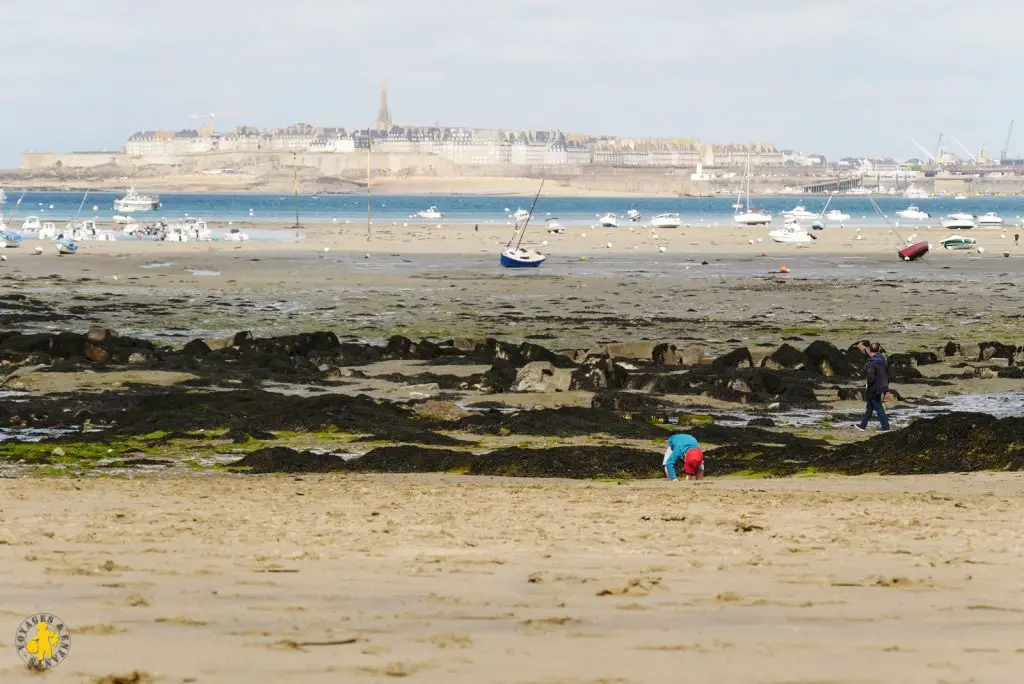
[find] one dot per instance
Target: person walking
(684, 446)
(877, 374)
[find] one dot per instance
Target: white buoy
(760, 240)
(661, 249)
(405, 225)
(544, 244)
(366, 256)
(327, 249)
(608, 245)
(750, 241)
(583, 235)
(39, 250)
(95, 207)
(51, 206)
(334, 220)
(981, 250)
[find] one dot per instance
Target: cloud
(832, 77)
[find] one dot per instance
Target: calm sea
(469, 209)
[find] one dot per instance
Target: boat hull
(512, 262)
(914, 251)
(66, 247)
(10, 239)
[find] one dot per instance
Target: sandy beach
(455, 579)
(170, 566)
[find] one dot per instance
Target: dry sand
(219, 579)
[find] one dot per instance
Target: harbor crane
(1006, 146)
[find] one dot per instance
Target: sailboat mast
(748, 182)
(369, 204)
(530, 216)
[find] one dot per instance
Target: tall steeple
(383, 122)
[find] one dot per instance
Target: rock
(760, 422)
(851, 394)
(951, 349)
(734, 359)
(787, 357)
(196, 348)
(499, 378)
(628, 350)
(829, 361)
(997, 350)
(666, 354)
(639, 403)
(467, 344)
(422, 391)
(98, 335)
(541, 376)
(219, 343)
(985, 374)
(1012, 373)
(96, 353)
(141, 357)
(597, 373)
(242, 339)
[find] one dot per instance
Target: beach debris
(366, 256)
(703, 263)
(750, 241)
(1006, 254)
(37, 251)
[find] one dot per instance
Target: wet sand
(220, 579)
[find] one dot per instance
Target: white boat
(791, 234)
(609, 221)
(66, 246)
(432, 214)
(8, 238)
(106, 236)
(521, 257)
(633, 215)
(554, 226)
(960, 198)
(913, 212)
(122, 219)
(958, 221)
(957, 242)
(837, 215)
(48, 231)
(134, 201)
(914, 192)
(800, 211)
(858, 191)
(666, 221)
(520, 215)
(990, 219)
(750, 217)
(235, 235)
(80, 230)
(31, 223)
(3, 197)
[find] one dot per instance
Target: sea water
(491, 209)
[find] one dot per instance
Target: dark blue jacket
(878, 376)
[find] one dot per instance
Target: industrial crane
(1006, 146)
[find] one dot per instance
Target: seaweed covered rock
(954, 443)
(826, 359)
(286, 460)
(598, 373)
(787, 357)
(734, 359)
(561, 422)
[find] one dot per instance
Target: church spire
(383, 122)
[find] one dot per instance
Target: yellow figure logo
(43, 641)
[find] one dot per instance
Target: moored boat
(431, 213)
(517, 256)
(66, 246)
(913, 212)
(31, 223)
(990, 219)
(958, 221)
(670, 220)
(914, 251)
(609, 220)
(957, 242)
(134, 201)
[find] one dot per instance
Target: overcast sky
(850, 77)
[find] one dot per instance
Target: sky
(833, 77)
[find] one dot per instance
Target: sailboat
(750, 217)
(519, 256)
(912, 252)
(10, 238)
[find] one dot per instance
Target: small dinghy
(66, 246)
(914, 251)
(11, 239)
(518, 256)
(554, 227)
(957, 242)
